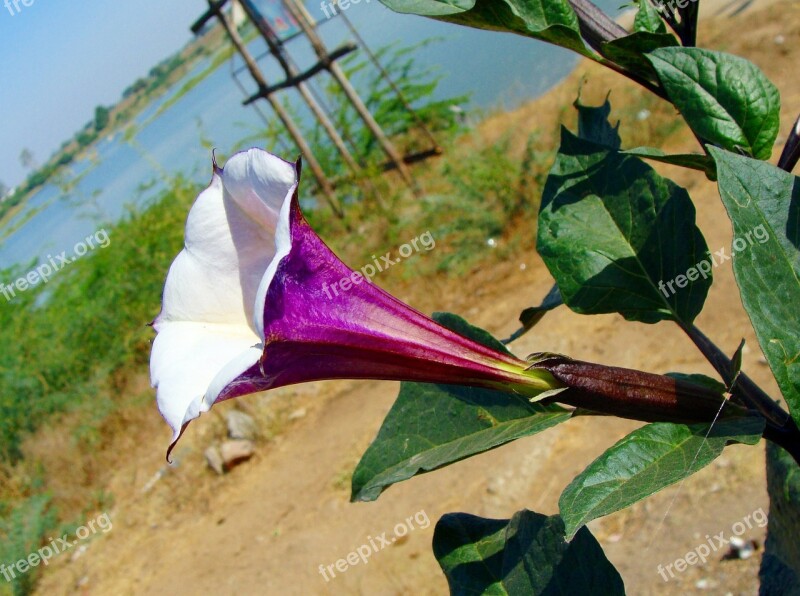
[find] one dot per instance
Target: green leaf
(431, 426)
(524, 555)
(694, 161)
(725, 99)
(553, 21)
(614, 234)
(532, 315)
(593, 125)
(698, 379)
(629, 51)
(646, 461)
(458, 324)
(648, 19)
(763, 202)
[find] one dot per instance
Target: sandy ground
(266, 527)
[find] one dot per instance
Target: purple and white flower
(244, 308)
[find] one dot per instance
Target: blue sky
(61, 59)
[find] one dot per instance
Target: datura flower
(247, 307)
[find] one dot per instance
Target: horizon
(48, 99)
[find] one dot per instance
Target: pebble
(235, 452)
(298, 414)
(241, 426)
(214, 460)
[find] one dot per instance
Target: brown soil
(266, 527)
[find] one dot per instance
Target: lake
(500, 71)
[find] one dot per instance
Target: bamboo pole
(281, 112)
(400, 95)
(304, 20)
(277, 49)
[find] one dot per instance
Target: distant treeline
(132, 96)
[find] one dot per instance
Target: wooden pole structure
(277, 50)
(286, 119)
(437, 150)
(303, 19)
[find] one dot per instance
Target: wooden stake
(304, 20)
(276, 47)
(281, 112)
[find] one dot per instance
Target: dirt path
(267, 527)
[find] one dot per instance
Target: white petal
(283, 244)
(259, 183)
(206, 328)
(185, 360)
(229, 242)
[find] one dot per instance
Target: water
(498, 70)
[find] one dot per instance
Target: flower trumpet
(245, 308)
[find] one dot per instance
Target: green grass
(22, 530)
(63, 342)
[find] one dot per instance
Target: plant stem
(781, 428)
(598, 28)
(787, 437)
(791, 150)
(750, 393)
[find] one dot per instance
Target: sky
(61, 59)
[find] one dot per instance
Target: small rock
(780, 40)
(643, 115)
(79, 552)
(491, 242)
(153, 480)
(702, 584)
(241, 426)
(236, 452)
(214, 459)
(400, 540)
(495, 485)
(298, 414)
(740, 549)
